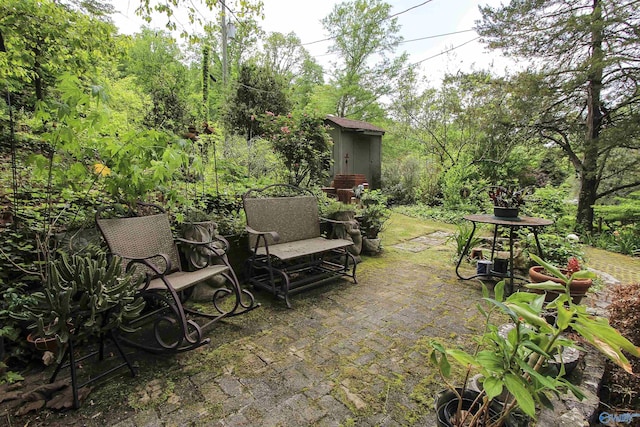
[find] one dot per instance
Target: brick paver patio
(344, 355)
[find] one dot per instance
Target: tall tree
(365, 38)
(284, 55)
(44, 40)
(581, 90)
(257, 91)
(156, 60)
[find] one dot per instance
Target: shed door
(362, 156)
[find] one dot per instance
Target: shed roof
(355, 125)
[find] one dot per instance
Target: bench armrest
(274, 235)
(334, 221)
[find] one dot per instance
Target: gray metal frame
(289, 254)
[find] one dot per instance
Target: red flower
(573, 265)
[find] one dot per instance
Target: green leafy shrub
(434, 213)
(462, 236)
(624, 240)
(408, 181)
(551, 203)
(626, 209)
(557, 249)
(457, 183)
(375, 213)
(303, 143)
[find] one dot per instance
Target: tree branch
(618, 188)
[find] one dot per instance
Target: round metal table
(512, 224)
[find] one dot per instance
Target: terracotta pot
(43, 344)
(579, 287)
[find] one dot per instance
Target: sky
(421, 19)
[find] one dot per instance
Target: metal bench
(146, 243)
(289, 254)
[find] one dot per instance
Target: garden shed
(357, 148)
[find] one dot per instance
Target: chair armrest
(274, 234)
(145, 261)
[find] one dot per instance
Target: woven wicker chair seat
(301, 248)
(181, 280)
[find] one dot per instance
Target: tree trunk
(589, 179)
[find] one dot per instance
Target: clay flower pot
(578, 290)
(43, 344)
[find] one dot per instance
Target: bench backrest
(293, 218)
(141, 237)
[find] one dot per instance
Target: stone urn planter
(371, 246)
(578, 290)
(350, 230)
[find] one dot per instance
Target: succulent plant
(84, 296)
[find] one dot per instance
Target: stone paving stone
(295, 380)
(234, 404)
(125, 423)
(306, 408)
(183, 417)
(257, 387)
(230, 385)
(319, 390)
(147, 418)
(334, 407)
(212, 392)
(237, 420)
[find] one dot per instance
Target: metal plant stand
(512, 224)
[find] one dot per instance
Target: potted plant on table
(507, 200)
(516, 361)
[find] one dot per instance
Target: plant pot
(578, 289)
(447, 405)
(43, 344)
(500, 265)
(371, 246)
(484, 267)
(502, 212)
